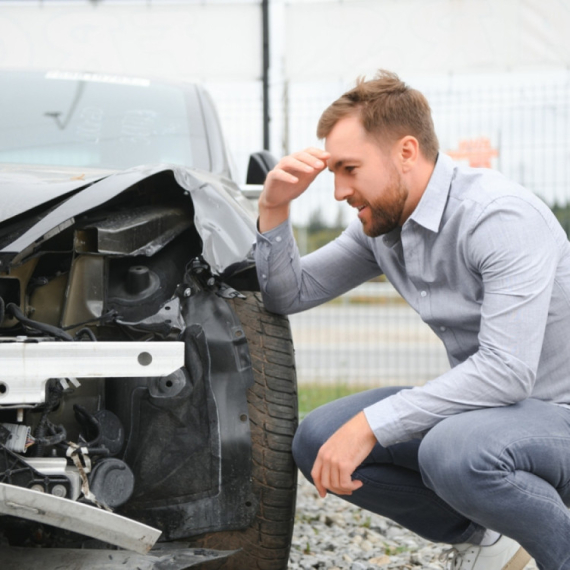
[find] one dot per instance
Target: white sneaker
(505, 554)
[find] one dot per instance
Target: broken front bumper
(27, 366)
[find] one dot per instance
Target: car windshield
(98, 121)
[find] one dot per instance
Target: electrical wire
(15, 311)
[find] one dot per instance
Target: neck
(417, 181)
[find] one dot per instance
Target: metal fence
(368, 337)
(517, 123)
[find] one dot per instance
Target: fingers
(284, 176)
(310, 159)
(316, 475)
(336, 477)
(291, 176)
(300, 169)
(306, 163)
(341, 455)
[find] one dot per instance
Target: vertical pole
(285, 127)
(266, 118)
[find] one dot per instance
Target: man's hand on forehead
(302, 166)
(292, 175)
(308, 160)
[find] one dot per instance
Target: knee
(437, 460)
(453, 456)
(321, 423)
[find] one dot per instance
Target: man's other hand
(341, 454)
(291, 176)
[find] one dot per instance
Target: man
(479, 457)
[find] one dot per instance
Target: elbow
(509, 379)
(274, 305)
(273, 308)
(520, 381)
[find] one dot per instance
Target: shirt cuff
(384, 422)
(271, 243)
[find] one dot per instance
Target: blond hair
(388, 108)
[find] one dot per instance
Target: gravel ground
(335, 535)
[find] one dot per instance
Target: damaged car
(147, 399)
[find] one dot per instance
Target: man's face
(366, 177)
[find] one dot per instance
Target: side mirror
(260, 163)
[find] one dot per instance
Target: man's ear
(408, 150)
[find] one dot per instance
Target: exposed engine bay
(123, 368)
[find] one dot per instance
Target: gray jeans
(506, 469)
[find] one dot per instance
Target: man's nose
(342, 191)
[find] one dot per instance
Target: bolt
(187, 292)
(38, 488)
(211, 282)
(59, 491)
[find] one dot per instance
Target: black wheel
(272, 402)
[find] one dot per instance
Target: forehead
(348, 140)
(346, 129)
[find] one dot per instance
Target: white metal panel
(77, 517)
(26, 366)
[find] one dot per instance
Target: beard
(386, 212)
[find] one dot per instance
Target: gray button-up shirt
(486, 265)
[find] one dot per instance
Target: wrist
(365, 428)
(271, 216)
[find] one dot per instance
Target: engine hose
(15, 311)
(59, 436)
(55, 389)
(89, 424)
(98, 451)
(87, 332)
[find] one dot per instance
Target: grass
(312, 396)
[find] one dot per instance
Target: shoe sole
(518, 561)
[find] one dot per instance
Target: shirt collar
(429, 211)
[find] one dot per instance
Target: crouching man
(478, 458)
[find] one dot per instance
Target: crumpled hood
(224, 219)
(26, 187)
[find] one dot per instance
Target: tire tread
(272, 406)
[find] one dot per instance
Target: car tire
(273, 415)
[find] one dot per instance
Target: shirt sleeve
(514, 248)
(290, 283)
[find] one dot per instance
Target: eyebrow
(338, 164)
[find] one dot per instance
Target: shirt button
(264, 276)
(423, 293)
(442, 329)
(278, 239)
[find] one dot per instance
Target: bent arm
(515, 249)
(290, 284)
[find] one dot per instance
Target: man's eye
(350, 168)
